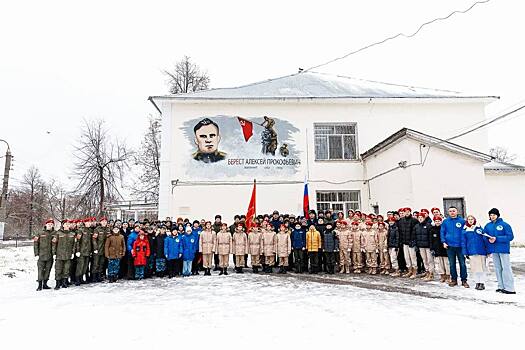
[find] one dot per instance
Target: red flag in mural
(247, 128)
(250, 215)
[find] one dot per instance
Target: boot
(396, 273)
(408, 273)
(226, 271)
(482, 286)
(58, 284)
(207, 272)
(64, 283)
(221, 272)
(342, 269)
(465, 284)
(39, 286)
(270, 269)
(477, 286)
(430, 277)
(373, 271)
(77, 280)
(357, 271)
(413, 274)
(453, 283)
(45, 286)
(442, 278)
(240, 270)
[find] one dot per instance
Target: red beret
(433, 209)
(407, 209)
(368, 223)
(357, 213)
(438, 218)
(342, 222)
(50, 221)
(424, 211)
(355, 223)
(381, 224)
(420, 215)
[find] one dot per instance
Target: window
(335, 141)
(454, 202)
(338, 200)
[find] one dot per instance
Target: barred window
(335, 141)
(338, 200)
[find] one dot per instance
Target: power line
(398, 35)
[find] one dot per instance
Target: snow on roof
(503, 167)
(425, 139)
(320, 85)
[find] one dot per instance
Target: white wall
(375, 122)
(506, 191)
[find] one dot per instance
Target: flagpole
(254, 204)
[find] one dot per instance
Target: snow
(320, 85)
(254, 311)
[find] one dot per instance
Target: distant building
(361, 144)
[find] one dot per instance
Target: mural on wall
(233, 145)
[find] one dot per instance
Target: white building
(361, 144)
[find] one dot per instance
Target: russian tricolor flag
(306, 200)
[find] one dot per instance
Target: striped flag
(306, 200)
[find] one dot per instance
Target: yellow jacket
(313, 241)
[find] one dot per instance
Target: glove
(72, 256)
(349, 250)
(377, 251)
(304, 248)
(77, 254)
(385, 250)
(412, 244)
(36, 257)
(433, 253)
(180, 256)
(95, 251)
(363, 250)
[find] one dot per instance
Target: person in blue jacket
(451, 231)
(132, 237)
(499, 245)
(298, 246)
(197, 260)
(173, 253)
(189, 247)
(474, 246)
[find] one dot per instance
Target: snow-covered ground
(254, 311)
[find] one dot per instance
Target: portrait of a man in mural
(269, 136)
(207, 139)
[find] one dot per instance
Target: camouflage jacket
(42, 245)
(100, 241)
(63, 244)
(83, 244)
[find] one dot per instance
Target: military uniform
(82, 251)
(42, 246)
(371, 246)
(255, 248)
(224, 248)
(384, 256)
(356, 239)
(345, 248)
(64, 250)
(100, 235)
(268, 244)
(207, 242)
(209, 157)
(240, 248)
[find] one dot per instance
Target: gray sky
(62, 61)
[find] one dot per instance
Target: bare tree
(502, 154)
(34, 189)
(148, 159)
(99, 166)
(186, 76)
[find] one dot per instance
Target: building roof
(503, 167)
(425, 139)
(314, 85)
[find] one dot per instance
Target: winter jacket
(436, 245)
(114, 247)
(239, 243)
(173, 247)
(473, 242)
(63, 244)
(43, 246)
(344, 239)
(207, 242)
(152, 240)
(132, 237)
(99, 243)
(276, 224)
(503, 233)
(298, 239)
(422, 233)
(451, 230)
(141, 251)
(406, 230)
(313, 241)
(330, 241)
(357, 240)
(224, 243)
(283, 245)
(255, 242)
(393, 236)
(371, 240)
(83, 244)
(159, 245)
(268, 240)
(383, 240)
(190, 246)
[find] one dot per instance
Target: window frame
(344, 203)
(357, 155)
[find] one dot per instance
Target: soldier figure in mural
(207, 139)
(269, 136)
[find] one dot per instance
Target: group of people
(404, 244)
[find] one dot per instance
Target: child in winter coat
(422, 235)
(371, 247)
(393, 246)
(313, 245)
(160, 259)
(439, 252)
(140, 253)
(356, 239)
(190, 246)
(475, 246)
(384, 257)
(114, 249)
(345, 246)
(283, 247)
(330, 247)
(299, 247)
(173, 253)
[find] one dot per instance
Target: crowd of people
(420, 244)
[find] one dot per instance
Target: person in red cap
(255, 247)
(100, 235)
(422, 234)
(240, 247)
(283, 247)
(83, 251)
(357, 243)
(207, 247)
(345, 246)
(384, 257)
(42, 247)
(439, 252)
(436, 212)
(406, 234)
(63, 250)
(371, 247)
(425, 212)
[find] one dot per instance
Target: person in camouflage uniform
(73, 263)
(100, 234)
(63, 248)
(42, 246)
(83, 251)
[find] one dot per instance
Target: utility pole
(5, 183)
